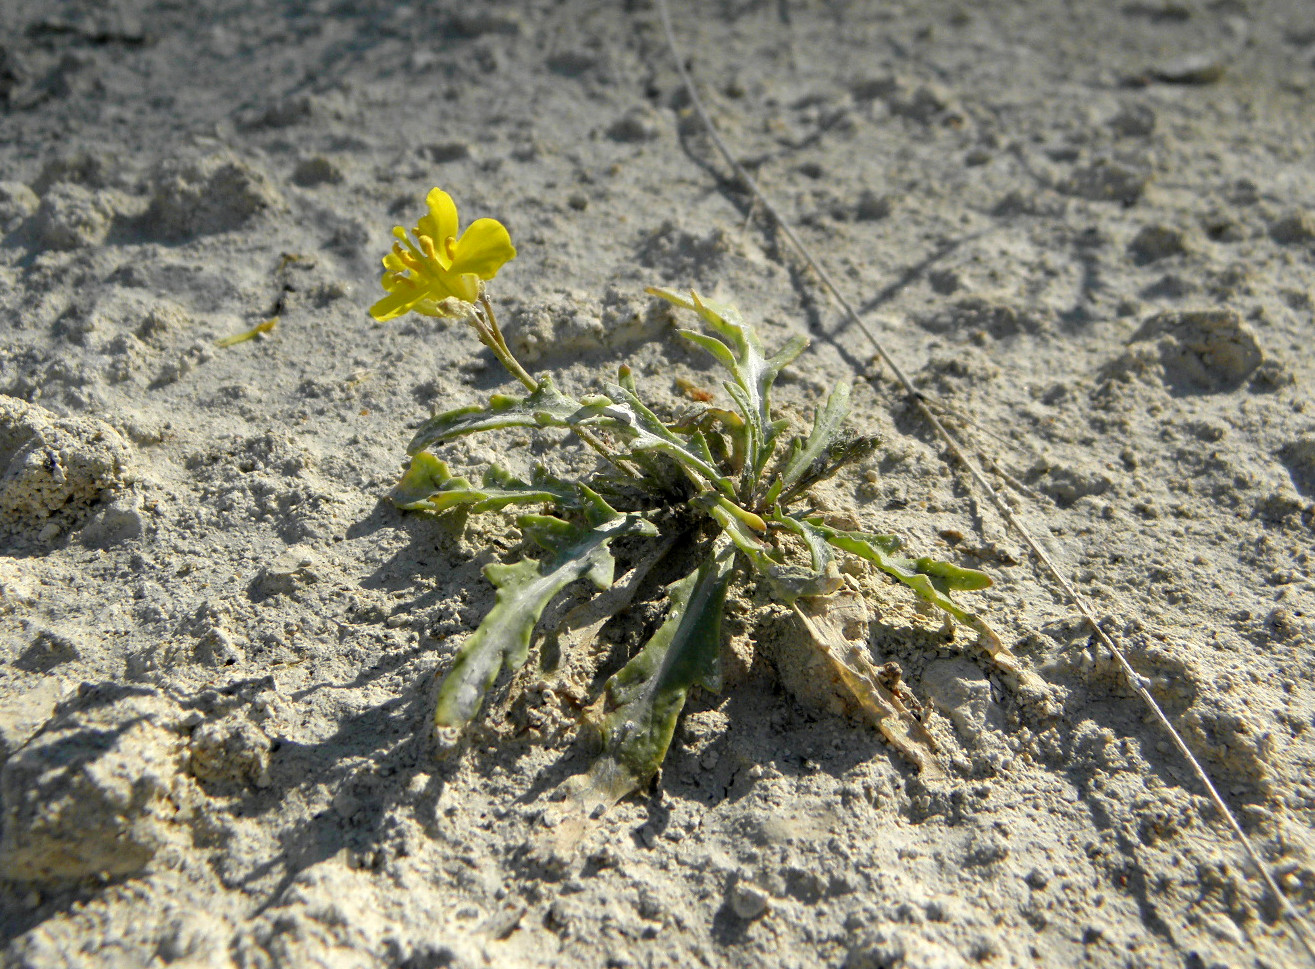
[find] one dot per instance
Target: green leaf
(930, 579)
(933, 581)
(575, 626)
(741, 352)
(828, 424)
(524, 589)
(950, 577)
(545, 407)
(644, 699)
(791, 582)
(628, 416)
(742, 528)
(428, 485)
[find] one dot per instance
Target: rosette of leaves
(731, 481)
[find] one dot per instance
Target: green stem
(498, 345)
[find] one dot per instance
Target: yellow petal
(465, 286)
(483, 249)
(395, 304)
(441, 222)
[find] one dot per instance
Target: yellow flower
(441, 263)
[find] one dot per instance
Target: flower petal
(483, 249)
(464, 287)
(395, 304)
(441, 222)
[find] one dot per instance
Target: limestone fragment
(94, 791)
(1208, 350)
(73, 217)
(55, 468)
(215, 193)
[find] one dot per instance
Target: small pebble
(747, 900)
(1198, 68)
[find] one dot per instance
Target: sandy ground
(1089, 228)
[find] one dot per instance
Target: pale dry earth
(1089, 228)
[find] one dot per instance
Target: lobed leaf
(524, 589)
(933, 580)
(930, 579)
(574, 626)
(545, 407)
(628, 416)
(428, 485)
(828, 425)
(752, 371)
(645, 697)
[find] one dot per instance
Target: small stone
(890, 946)
(507, 23)
(1093, 933)
(161, 320)
(871, 88)
(1197, 68)
(1206, 350)
(1107, 180)
(284, 113)
(1224, 929)
(443, 152)
(233, 752)
(573, 62)
(923, 104)
(872, 207)
(73, 217)
(1155, 242)
(346, 803)
(1133, 121)
(986, 847)
(217, 648)
(118, 522)
(1293, 229)
(17, 203)
(285, 573)
(961, 691)
(747, 900)
(638, 124)
(172, 372)
(317, 170)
